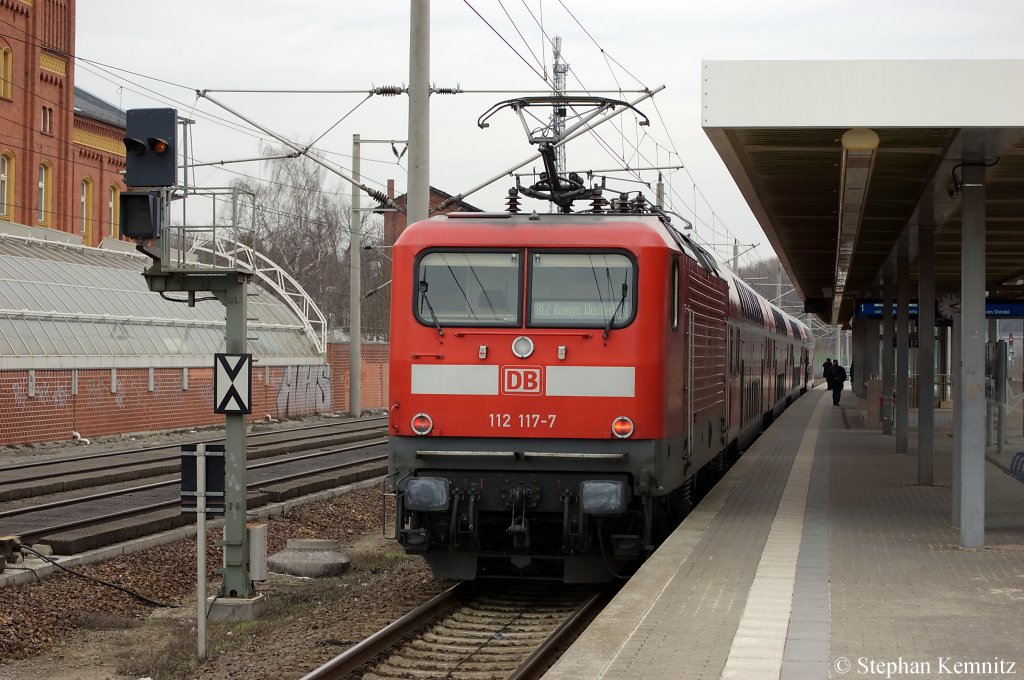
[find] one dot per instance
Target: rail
(447, 616)
(353, 658)
(78, 522)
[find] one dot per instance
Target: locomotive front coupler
(453, 522)
(520, 527)
(464, 524)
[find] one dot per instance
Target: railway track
(98, 512)
(500, 631)
(66, 473)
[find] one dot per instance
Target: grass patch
(386, 560)
(168, 652)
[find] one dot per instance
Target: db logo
(521, 380)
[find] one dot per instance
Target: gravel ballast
(68, 627)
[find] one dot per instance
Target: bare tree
(302, 221)
(770, 280)
(376, 281)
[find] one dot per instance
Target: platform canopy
(833, 211)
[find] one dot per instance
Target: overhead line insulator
(389, 90)
(382, 198)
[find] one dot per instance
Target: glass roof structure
(66, 306)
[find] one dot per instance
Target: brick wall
(45, 406)
(374, 387)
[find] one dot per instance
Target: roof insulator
(513, 201)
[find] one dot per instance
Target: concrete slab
(235, 609)
(311, 558)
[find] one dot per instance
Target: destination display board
(994, 309)
(579, 310)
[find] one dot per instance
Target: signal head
(150, 142)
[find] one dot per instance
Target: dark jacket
(826, 372)
(838, 376)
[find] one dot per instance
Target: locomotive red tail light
(422, 424)
(622, 427)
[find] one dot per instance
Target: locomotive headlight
(622, 427)
(603, 497)
(422, 424)
(426, 494)
(522, 347)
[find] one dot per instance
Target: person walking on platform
(838, 378)
(826, 372)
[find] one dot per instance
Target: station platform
(818, 556)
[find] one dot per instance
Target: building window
(44, 195)
(86, 206)
(6, 71)
(47, 120)
(113, 210)
(6, 186)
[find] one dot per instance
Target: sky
(147, 54)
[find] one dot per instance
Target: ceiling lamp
(860, 146)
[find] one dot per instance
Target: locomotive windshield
(581, 289)
(482, 288)
(468, 288)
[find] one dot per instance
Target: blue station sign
(994, 309)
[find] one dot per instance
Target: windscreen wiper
(611, 320)
(423, 294)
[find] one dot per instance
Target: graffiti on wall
(45, 395)
(304, 389)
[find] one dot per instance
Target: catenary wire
(542, 65)
(498, 33)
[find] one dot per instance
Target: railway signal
(151, 147)
(140, 214)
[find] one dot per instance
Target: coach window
(581, 289)
(468, 288)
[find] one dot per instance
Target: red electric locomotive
(560, 383)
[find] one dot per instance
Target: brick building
(85, 347)
(61, 149)
(395, 222)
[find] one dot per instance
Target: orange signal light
(422, 424)
(622, 427)
(158, 146)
